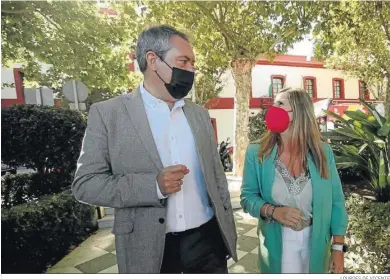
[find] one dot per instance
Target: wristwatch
(340, 247)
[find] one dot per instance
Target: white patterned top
(293, 192)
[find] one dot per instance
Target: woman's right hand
(287, 216)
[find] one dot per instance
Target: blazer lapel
(196, 132)
(268, 175)
(135, 107)
(317, 186)
(198, 135)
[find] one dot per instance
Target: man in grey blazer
(152, 156)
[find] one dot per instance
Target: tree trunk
(242, 74)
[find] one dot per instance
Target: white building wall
(229, 87)
(261, 80)
(225, 122)
(7, 77)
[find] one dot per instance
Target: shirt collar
(154, 102)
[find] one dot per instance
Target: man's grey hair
(156, 39)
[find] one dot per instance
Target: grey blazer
(118, 166)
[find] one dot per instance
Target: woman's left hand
(337, 262)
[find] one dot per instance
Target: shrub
(368, 148)
(38, 234)
(21, 188)
(369, 234)
(41, 137)
(257, 126)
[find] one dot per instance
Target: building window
(277, 84)
(310, 86)
(363, 91)
(338, 88)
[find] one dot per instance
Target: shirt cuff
(159, 194)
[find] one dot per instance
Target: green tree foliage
(355, 36)
(232, 34)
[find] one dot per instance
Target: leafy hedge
(257, 126)
(41, 137)
(21, 188)
(38, 234)
(369, 234)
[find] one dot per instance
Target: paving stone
(252, 233)
(64, 270)
(240, 254)
(248, 264)
(81, 254)
(108, 245)
(111, 270)
(242, 228)
(245, 218)
(255, 251)
(247, 243)
(98, 264)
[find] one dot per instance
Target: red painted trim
(220, 103)
(367, 95)
(283, 78)
(108, 11)
(18, 77)
(265, 102)
(228, 103)
(314, 84)
(291, 64)
(214, 123)
(342, 93)
(291, 61)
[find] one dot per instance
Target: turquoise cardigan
(329, 212)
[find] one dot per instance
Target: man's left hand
(337, 262)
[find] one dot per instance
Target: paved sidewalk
(97, 253)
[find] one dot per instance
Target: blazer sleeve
(251, 200)
(339, 219)
(94, 182)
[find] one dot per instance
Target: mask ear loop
(165, 64)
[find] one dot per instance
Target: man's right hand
(288, 216)
(170, 179)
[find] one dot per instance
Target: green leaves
(38, 234)
(354, 36)
(384, 131)
(369, 232)
(41, 137)
(363, 143)
(73, 37)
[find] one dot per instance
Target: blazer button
(161, 220)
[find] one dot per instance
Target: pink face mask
(277, 119)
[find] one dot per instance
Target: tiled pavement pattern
(97, 253)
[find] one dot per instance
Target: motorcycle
(225, 153)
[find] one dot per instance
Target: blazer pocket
(123, 227)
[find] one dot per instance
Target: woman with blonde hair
(290, 183)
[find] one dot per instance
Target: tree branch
(221, 27)
(50, 21)
(384, 25)
(18, 12)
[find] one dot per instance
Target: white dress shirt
(188, 208)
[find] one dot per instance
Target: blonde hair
(305, 134)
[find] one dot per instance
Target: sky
(304, 47)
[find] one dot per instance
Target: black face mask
(181, 82)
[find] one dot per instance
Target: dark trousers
(199, 250)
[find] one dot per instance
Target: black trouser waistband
(203, 227)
